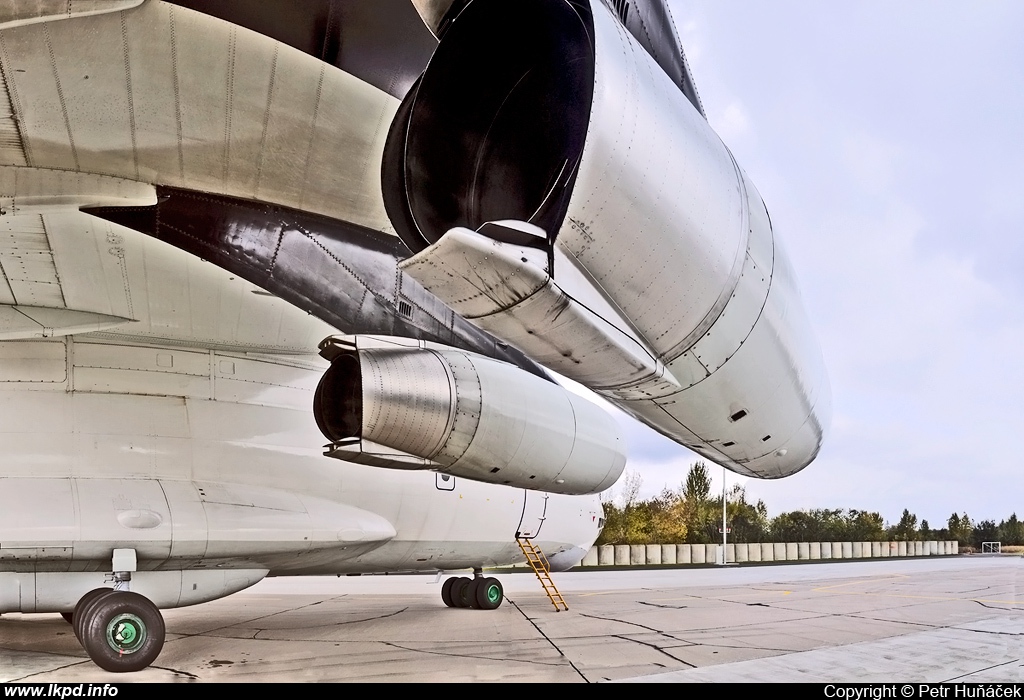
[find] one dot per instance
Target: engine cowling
(657, 278)
(400, 404)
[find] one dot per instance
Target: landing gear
(82, 609)
(489, 593)
(477, 592)
(122, 631)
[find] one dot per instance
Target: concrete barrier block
(918, 548)
(847, 550)
(901, 549)
(606, 555)
(792, 551)
(865, 550)
(730, 552)
(684, 554)
(622, 555)
(837, 550)
(814, 550)
(933, 547)
(956, 547)
(637, 554)
(826, 550)
(754, 551)
(698, 554)
(803, 551)
(858, 550)
(779, 551)
(668, 554)
(883, 548)
(767, 551)
(653, 553)
(894, 549)
(876, 550)
(591, 558)
(743, 552)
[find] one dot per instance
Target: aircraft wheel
(446, 592)
(68, 618)
(458, 592)
(469, 593)
(489, 594)
(124, 632)
(81, 609)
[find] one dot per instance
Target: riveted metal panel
(408, 399)
(33, 361)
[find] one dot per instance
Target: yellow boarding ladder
(539, 563)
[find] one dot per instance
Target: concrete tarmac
(913, 620)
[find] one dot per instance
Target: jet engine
(407, 404)
(561, 192)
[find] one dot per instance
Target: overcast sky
(886, 139)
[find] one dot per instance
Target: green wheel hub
(126, 633)
(493, 593)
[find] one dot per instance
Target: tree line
(691, 515)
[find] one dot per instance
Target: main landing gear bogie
(483, 593)
(121, 631)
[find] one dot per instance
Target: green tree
(960, 529)
(864, 526)
(1011, 530)
(906, 529)
(984, 531)
(698, 509)
(697, 486)
(747, 522)
(668, 518)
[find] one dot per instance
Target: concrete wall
(754, 552)
(741, 553)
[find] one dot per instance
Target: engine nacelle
(400, 404)
(560, 192)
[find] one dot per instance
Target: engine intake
(496, 126)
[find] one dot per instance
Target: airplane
(231, 230)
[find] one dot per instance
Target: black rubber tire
(81, 609)
(68, 618)
(469, 593)
(489, 594)
(125, 632)
(446, 592)
(458, 592)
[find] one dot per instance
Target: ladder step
(542, 569)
